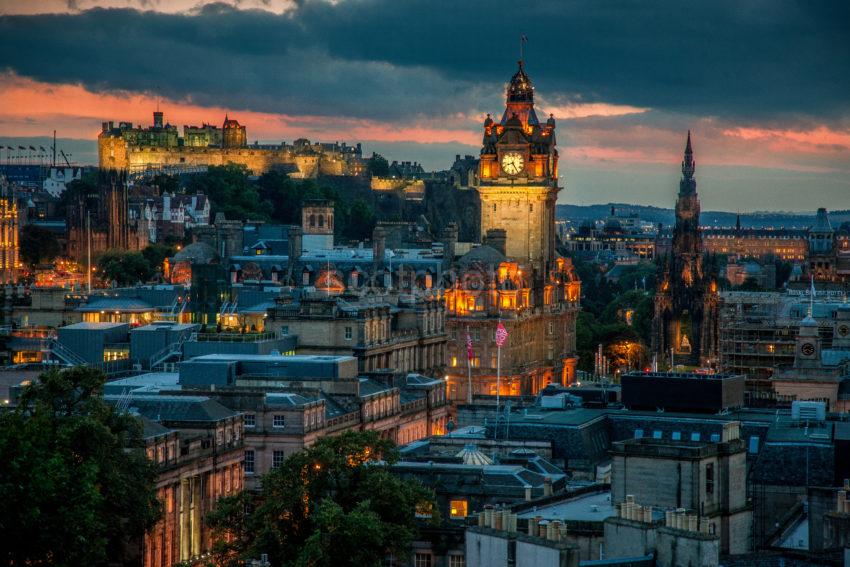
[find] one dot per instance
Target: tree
(155, 254)
(75, 482)
(125, 268)
(359, 221)
(378, 165)
(283, 196)
(38, 245)
(335, 503)
(166, 183)
(230, 192)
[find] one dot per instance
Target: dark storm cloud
(760, 61)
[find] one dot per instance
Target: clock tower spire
(518, 176)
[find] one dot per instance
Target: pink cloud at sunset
(166, 6)
(588, 133)
(813, 140)
(32, 108)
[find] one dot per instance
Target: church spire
(688, 185)
(688, 164)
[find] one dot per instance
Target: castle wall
(114, 152)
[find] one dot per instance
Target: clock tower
(518, 177)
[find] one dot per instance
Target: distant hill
(576, 214)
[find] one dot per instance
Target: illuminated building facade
(515, 277)
(686, 304)
(9, 233)
(198, 446)
(160, 147)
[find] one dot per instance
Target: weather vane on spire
(523, 39)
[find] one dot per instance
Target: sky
(761, 84)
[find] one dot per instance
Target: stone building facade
(198, 447)
(160, 147)
(400, 333)
(10, 261)
(518, 177)
(515, 278)
(707, 479)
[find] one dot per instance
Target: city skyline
(771, 138)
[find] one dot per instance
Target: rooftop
(593, 507)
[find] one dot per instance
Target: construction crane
(65, 157)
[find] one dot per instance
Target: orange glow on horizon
(34, 108)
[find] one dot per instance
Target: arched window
(321, 221)
(312, 220)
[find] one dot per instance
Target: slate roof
(196, 253)
(125, 304)
(482, 254)
(369, 387)
(176, 409)
(285, 399)
(151, 429)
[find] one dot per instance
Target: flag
(501, 335)
(524, 38)
(468, 346)
(21, 148)
(32, 148)
(42, 148)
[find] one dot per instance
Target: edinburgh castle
(160, 147)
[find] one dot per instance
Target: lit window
(422, 560)
(348, 333)
(457, 509)
(277, 458)
(638, 433)
(457, 561)
(656, 434)
(695, 436)
(454, 361)
(249, 420)
(279, 421)
(284, 330)
(249, 462)
(677, 436)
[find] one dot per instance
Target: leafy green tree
(155, 254)
(378, 165)
(230, 192)
(125, 268)
(166, 183)
(75, 483)
(38, 245)
(360, 221)
(283, 196)
(335, 503)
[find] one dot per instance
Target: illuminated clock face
(843, 330)
(512, 163)
(808, 349)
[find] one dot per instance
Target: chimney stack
(295, 244)
(497, 238)
(379, 246)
